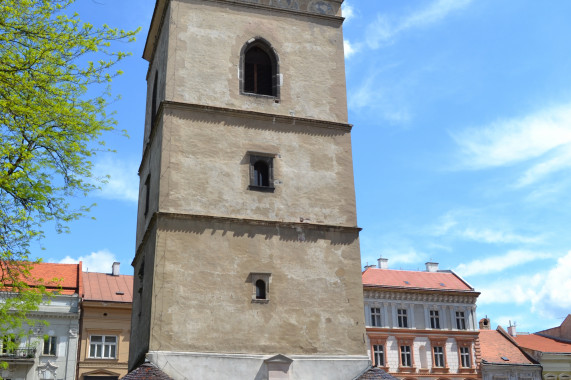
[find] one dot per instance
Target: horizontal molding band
(159, 216)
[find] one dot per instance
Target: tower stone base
(202, 365)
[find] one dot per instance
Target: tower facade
(247, 263)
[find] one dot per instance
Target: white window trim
(103, 344)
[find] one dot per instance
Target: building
(551, 348)
(49, 351)
(105, 325)
(247, 259)
(502, 359)
(421, 324)
(562, 332)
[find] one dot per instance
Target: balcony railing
(18, 353)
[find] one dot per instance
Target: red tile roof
(106, 287)
(63, 277)
(495, 346)
(540, 343)
(441, 280)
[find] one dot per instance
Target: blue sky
(461, 146)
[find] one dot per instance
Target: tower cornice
(319, 9)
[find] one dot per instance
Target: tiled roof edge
(506, 335)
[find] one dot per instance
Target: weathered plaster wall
(142, 299)
(205, 49)
(205, 168)
(205, 303)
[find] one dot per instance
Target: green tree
(55, 73)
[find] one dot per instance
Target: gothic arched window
(259, 69)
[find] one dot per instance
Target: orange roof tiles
(540, 343)
(441, 280)
(67, 277)
(106, 287)
(494, 346)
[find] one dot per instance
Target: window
(438, 356)
(154, 101)
(102, 346)
(402, 318)
(379, 355)
(8, 344)
(460, 320)
(465, 357)
(261, 172)
(376, 316)
(50, 345)
(261, 287)
(147, 193)
(259, 68)
(405, 356)
(260, 290)
(434, 319)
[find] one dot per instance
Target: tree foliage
(55, 73)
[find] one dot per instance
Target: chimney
(370, 266)
(383, 263)
(511, 329)
(115, 270)
(485, 324)
(431, 267)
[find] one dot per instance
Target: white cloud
(347, 11)
(500, 263)
(506, 142)
(348, 49)
(100, 261)
(404, 256)
(383, 31)
(466, 225)
(495, 236)
(560, 161)
(547, 292)
(123, 183)
(553, 298)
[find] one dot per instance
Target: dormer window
(259, 69)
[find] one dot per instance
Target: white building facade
(49, 349)
(421, 324)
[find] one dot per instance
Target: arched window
(260, 290)
(259, 68)
(261, 172)
(154, 101)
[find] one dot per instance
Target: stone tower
(247, 263)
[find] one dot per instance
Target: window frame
(378, 354)
(267, 159)
(103, 344)
(438, 358)
(266, 47)
(405, 352)
(402, 318)
(255, 278)
(460, 320)
(434, 319)
(376, 319)
(465, 356)
(50, 342)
